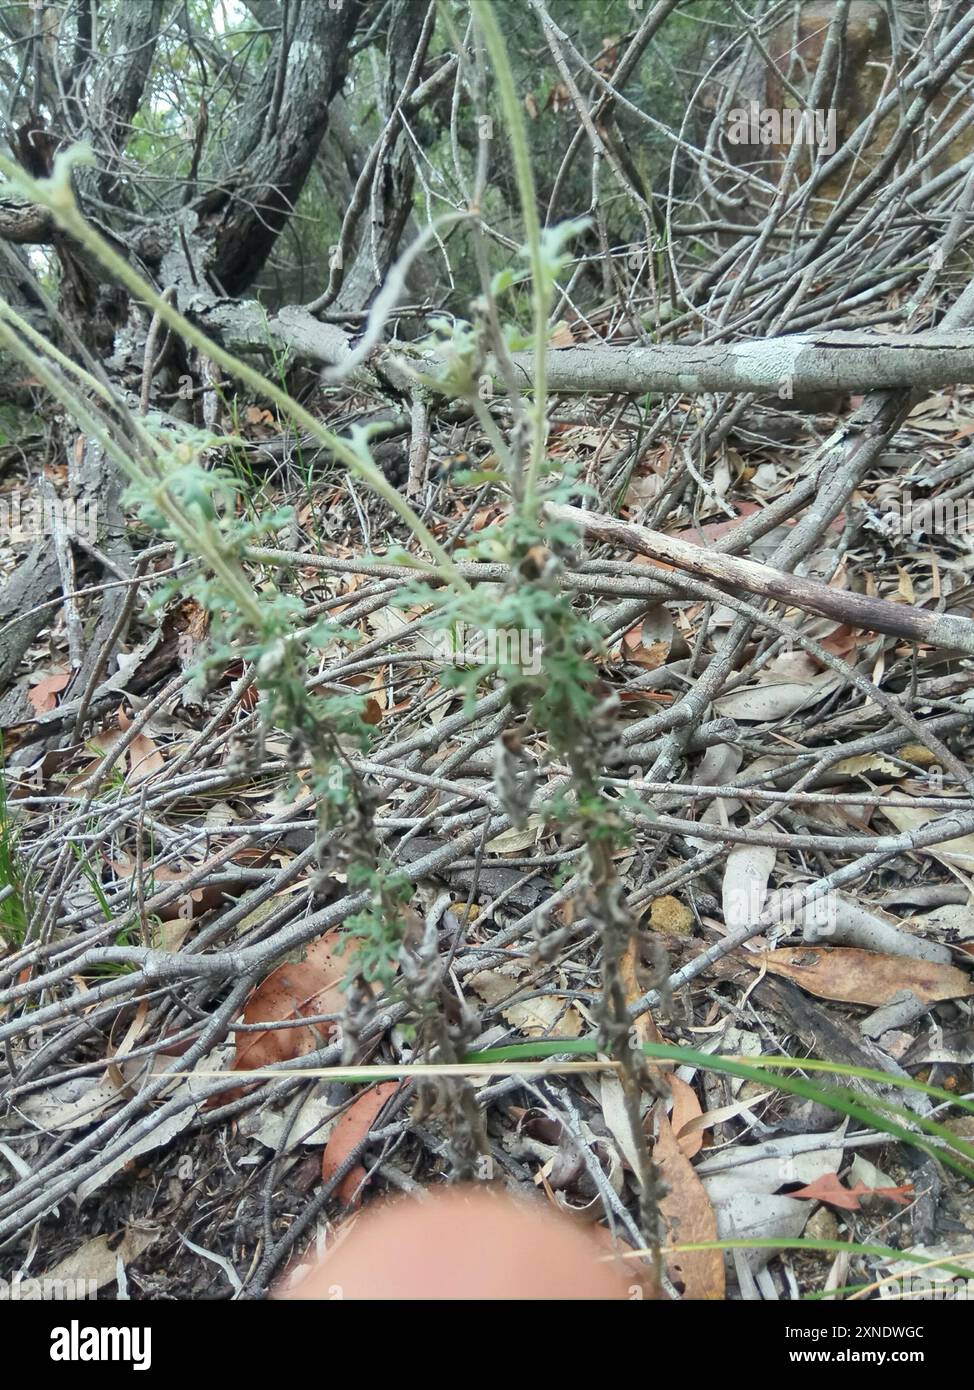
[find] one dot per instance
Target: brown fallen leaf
(141, 758)
(852, 976)
(689, 1217)
(349, 1132)
(648, 643)
(373, 711)
(294, 990)
(829, 1188)
(144, 758)
(686, 1108)
(644, 1026)
(43, 695)
(650, 656)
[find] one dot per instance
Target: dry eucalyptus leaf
(96, 1263)
(869, 762)
(533, 1017)
(949, 917)
(852, 976)
(689, 1218)
(536, 1018)
(786, 685)
(684, 1115)
(353, 1126)
(959, 852)
(515, 841)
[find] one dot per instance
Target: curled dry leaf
(852, 976)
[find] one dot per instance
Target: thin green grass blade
(866, 1109)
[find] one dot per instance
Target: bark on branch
(856, 610)
(803, 363)
(837, 361)
(25, 224)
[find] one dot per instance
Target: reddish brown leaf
(829, 1188)
(43, 695)
(686, 1107)
(651, 656)
(294, 990)
(373, 711)
(348, 1133)
(144, 758)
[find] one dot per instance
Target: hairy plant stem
(517, 135)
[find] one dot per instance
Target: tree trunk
(264, 169)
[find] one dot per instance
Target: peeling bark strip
(812, 596)
(842, 361)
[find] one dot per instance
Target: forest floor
(186, 830)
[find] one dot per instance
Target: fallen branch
(855, 610)
(790, 365)
(794, 364)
